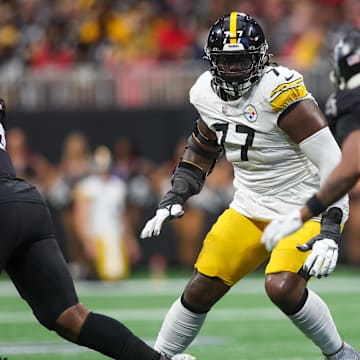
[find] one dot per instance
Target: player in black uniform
(30, 255)
(343, 111)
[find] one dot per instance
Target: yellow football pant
(232, 248)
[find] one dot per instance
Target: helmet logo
(225, 109)
(353, 59)
(231, 47)
(250, 113)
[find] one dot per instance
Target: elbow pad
(186, 181)
(323, 151)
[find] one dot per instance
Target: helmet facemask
(236, 70)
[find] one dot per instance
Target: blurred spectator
(56, 193)
(275, 21)
(157, 256)
(11, 64)
(351, 11)
(306, 36)
(32, 18)
(53, 53)
(74, 165)
(175, 38)
(101, 220)
(75, 157)
(127, 162)
(22, 156)
(103, 28)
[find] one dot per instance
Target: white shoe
(347, 352)
(177, 357)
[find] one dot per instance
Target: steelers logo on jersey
(250, 113)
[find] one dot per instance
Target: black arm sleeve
(187, 180)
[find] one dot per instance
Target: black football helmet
(237, 51)
(346, 58)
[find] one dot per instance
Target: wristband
(315, 205)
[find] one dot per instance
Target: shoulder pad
(283, 87)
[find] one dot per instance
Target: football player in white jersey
(271, 129)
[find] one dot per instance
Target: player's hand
(280, 228)
(153, 226)
(323, 257)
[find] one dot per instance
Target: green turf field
(244, 325)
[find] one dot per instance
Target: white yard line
(63, 348)
(173, 287)
(150, 314)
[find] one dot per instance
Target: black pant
(31, 256)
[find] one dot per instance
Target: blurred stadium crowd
(105, 40)
(113, 46)
(37, 34)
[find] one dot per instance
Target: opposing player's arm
(341, 179)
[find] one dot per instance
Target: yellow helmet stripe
(233, 27)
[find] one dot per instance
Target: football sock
(178, 329)
(315, 321)
(111, 338)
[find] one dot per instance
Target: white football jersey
(272, 175)
(108, 200)
(105, 223)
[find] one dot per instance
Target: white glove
(280, 228)
(322, 259)
(154, 225)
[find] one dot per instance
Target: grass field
(242, 326)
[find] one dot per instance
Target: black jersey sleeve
(343, 113)
(346, 124)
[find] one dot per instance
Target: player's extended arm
(323, 257)
(196, 163)
(340, 181)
